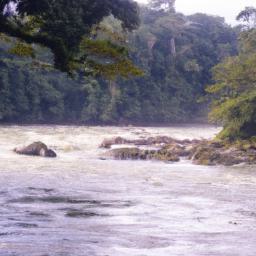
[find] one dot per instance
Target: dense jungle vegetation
(116, 63)
(174, 51)
(234, 91)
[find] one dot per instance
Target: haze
(225, 8)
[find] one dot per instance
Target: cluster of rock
(162, 148)
(168, 149)
(202, 152)
(224, 153)
(36, 149)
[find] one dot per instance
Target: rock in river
(36, 149)
(202, 152)
(221, 153)
(141, 154)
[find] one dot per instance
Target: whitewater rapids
(79, 205)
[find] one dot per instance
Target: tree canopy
(62, 25)
(176, 53)
(248, 16)
(234, 91)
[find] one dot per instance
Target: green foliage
(175, 52)
(61, 25)
(248, 16)
(107, 59)
(28, 95)
(234, 91)
(23, 50)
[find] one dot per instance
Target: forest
(162, 66)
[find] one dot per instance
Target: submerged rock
(36, 149)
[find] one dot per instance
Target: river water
(79, 205)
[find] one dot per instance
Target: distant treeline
(176, 53)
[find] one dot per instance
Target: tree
(248, 15)
(62, 25)
(234, 91)
(177, 53)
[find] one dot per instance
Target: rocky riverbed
(202, 152)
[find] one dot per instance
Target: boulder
(50, 153)
(178, 149)
(140, 154)
(166, 155)
(216, 153)
(126, 154)
(36, 149)
(205, 155)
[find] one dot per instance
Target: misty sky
(225, 8)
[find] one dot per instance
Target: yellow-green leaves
(107, 59)
(123, 68)
(5, 38)
(22, 50)
(103, 49)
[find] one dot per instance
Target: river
(79, 205)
